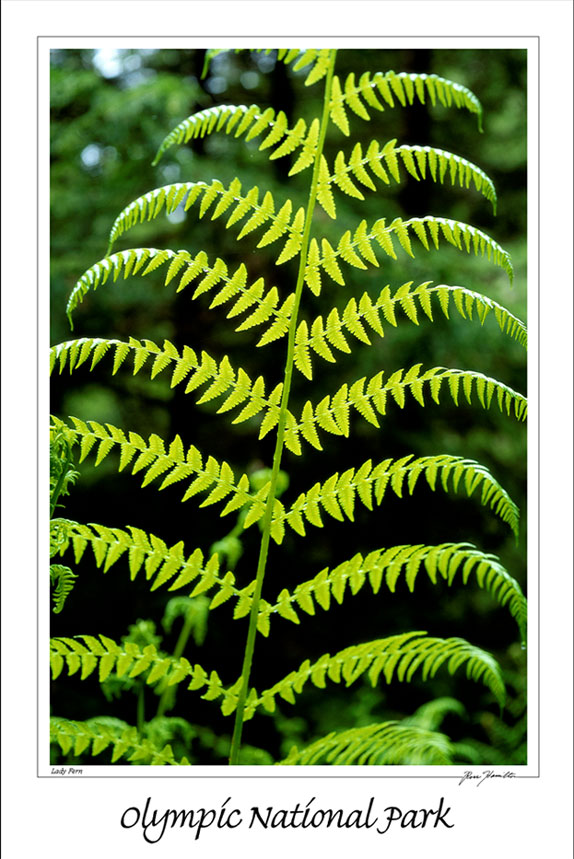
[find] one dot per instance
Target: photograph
(288, 413)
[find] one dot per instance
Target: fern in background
(62, 476)
(293, 410)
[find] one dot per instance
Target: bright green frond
(465, 237)
(384, 567)
(370, 397)
(364, 316)
(314, 249)
(63, 580)
(95, 735)
(249, 122)
(384, 90)
(130, 660)
(384, 744)
(153, 460)
(420, 162)
(161, 564)
(264, 305)
(337, 496)
(236, 387)
(395, 658)
(217, 200)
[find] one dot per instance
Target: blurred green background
(110, 110)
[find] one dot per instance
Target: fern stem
(264, 547)
(166, 700)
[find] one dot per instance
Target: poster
(464, 807)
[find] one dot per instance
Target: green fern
(62, 476)
(385, 566)
(63, 580)
(163, 565)
(313, 258)
(96, 735)
(392, 88)
(387, 162)
(397, 657)
(331, 414)
(388, 743)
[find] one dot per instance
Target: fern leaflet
(351, 248)
(230, 202)
(131, 660)
(361, 318)
(263, 305)
(338, 494)
(370, 396)
(252, 122)
(319, 57)
(161, 564)
(388, 743)
(386, 566)
(390, 86)
(174, 464)
(386, 161)
(397, 658)
(63, 580)
(222, 379)
(96, 735)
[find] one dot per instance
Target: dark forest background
(110, 110)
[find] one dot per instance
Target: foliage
(297, 322)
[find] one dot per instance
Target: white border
(524, 815)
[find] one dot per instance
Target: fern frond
(62, 472)
(430, 716)
(318, 57)
(380, 90)
(174, 464)
(60, 530)
(369, 397)
(130, 659)
(95, 735)
(364, 316)
(338, 494)
(63, 581)
(350, 249)
(226, 118)
(386, 566)
(230, 202)
(418, 161)
(251, 122)
(397, 657)
(161, 564)
(263, 305)
(222, 380)
(104, 655)
(387, 743)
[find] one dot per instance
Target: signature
(478, 778)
